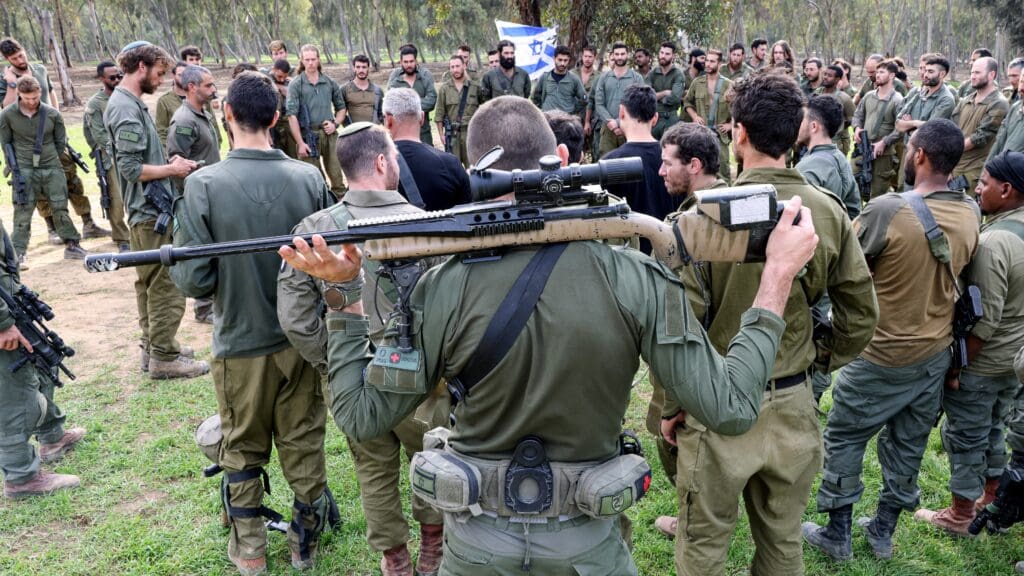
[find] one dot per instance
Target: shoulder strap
(1014, 226)
(37, 146)
(508, 321)
(462, 103)
(937, 242)
(712, 118)
(405, 178)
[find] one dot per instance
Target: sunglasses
(115, 77)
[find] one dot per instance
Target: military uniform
(423, 84)
(774, 464)
(825, 166)
(496, 83)
(96, 135)
(1012, 96)
(281, 133)
(566, 93)
(668, 106)
(324, 100)
(266, 392)
(920, 105)
(980, 122)
(878, 119)
(842, 139)
(166, 106)
(363, 105)
(377, 461)
(607, 96)
(714, 109)
(726, 72)
(193, 135)
(592, 141)
(869, 85)
(449, 100)
(1011, 132)
(43, 175)
(135, 142)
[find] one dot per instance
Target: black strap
(249, 512)
(412, 191)
(37, 147)
(508, 321)
(462, 104)
(936, 238)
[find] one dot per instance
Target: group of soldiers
(862, 284)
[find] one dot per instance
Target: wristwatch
(339, 295)
(12, 84)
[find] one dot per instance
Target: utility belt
(786, 381)
(527, 486)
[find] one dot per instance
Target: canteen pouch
(608, 489)
(445, 482)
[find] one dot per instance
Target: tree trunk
(277, 19)
(529, 12)
(162, 16)
(239, 44)
(951, 51)
(738, 32)
(346, 33)
(59, 14)
(97, 32)
(580, 19)
(384, 29)
(67, 89)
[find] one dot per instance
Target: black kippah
(1008, 167)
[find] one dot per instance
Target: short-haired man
(170, 101)
(823, 164)
(608, 91)
(895, 385)
(707, 105)
(642, 61)
(191, 55)
(875, 120)
(464, 52)
(831, 78)
(812, 75)
(418, 78)
(192, 133)
(362, 97)
(1012, 90)
(871, 64)
(267, 394)
(96, 136)
(507, 79)
(140, 161)
(737, 68)
(933, 99)
(758, 53)
(457, 100)
(569, 133)
(669, 84)
(967, 87)
(588, 75)
(557, 89)
(1011, 132)
(281, 135)
(979, 116)
(492, 59)
(321, 96)
(36, 132)
(278, 50)
(773, 465)
(430, 178)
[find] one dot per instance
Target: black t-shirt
(649, 195)
(440, 177)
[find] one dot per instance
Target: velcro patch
(129, 136)
(183, 130)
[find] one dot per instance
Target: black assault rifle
(866, 153)
(309, 135)
(48, 349)
(449, 133)
(157, 194)
(77, 159)
(18, 183)
(101, 177)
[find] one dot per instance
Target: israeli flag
(535, 47)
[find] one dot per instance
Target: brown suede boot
(396, 562)
(431, 549)
(955, 519)
(49, 453)
(249, 566)
(44, 484)
(991, 485)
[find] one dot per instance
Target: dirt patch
(142, 503)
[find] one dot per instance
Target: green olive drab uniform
(920, 105)
(869, 85)
(378, 460)
(193, 135)
(40, 74)
(423, 84)
(26, 399)
(267, 394)
(735, 75)
(449, 102)
(363, 105)
(774, 464)
(553, 93)
(713, 107)
(1011, 132)
(825, 166)
(668, 106)
(878, 119)
(43, 174)
(608, 91)
(324, 100)
(496, 83)
(135, 142)
(842, 139)
(166, 106)
(627, 294)
(980, 122)
(592, 141)
(895, 385)
(96, 135)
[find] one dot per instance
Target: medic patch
(129, 136)
(395, 359)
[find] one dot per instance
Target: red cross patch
(395, 357)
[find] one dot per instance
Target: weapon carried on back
(77, 159)
(866, 153)
(101, 177)
(48, 349)
(309, 135)
(18, 183)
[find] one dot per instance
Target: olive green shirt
(136, 143)
(92, 125)
(594, 291)
(567, 94)
(998, 270)
(920, 105)
(843, 134)
(1012, 96)
(588, 87)
(825, 166)
(496, 83)
(193, 135)
(608, 92)
(251, 193)
(668, 106)
(9, 281)
(39, 73)
(20, 130)
(915, 292)
(980, 122)
(869, 85)
(423, 84)
(878, 118)
(1011, 132)
(699, 98)
(740, 74)
(363, 105)
(449, 98)
(324, 98)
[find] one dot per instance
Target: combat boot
(835, 539)
(180, 367)
(667, 525)
(186, 352)
(74, 251)
(22, 262)
(92, 230)
(879, 529)
(49, 453)
(989, 496)
(396, 562)
(249, 566)
(51, 231)
(431, 549)
(954, 519)
(44, 484)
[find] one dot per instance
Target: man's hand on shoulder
(320, 262)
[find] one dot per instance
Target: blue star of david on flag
(535, 46)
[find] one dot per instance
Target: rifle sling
(462, 105)
(37, 146)
(405, 178)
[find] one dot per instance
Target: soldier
(588, 74)
(737, 69)
(507, 79)
(932, 100)
(967, 87)
(668, 82)
(170, 101)
(96, 135)
(320, 94)
(533, 399)
(464, 52)
(457, 100)
(300, 299)
(140, 162)
(781, 52)
(411, 75)
(977, 398)
(831, 78)
(697, 58)
(774, 482)
(758, 50)
(979, 116)
(824, 165)
(36, 132)
(870, 66)
(642, 61)
(267, 394)
(362, 97)
(707, 105)
(278, 50)
(1010, 135)
(875, 119)
(895, 384)
(430, 179)
(812, 75)
(191, 55)
(492, 59)
(557, 89)
(281, 134)
(568, 133)
(608, 92)
(26, 406)
(845, 84)
(1012, 91)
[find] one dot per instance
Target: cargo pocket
(692, 444)
(462, 559)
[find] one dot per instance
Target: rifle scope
(551, 178)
